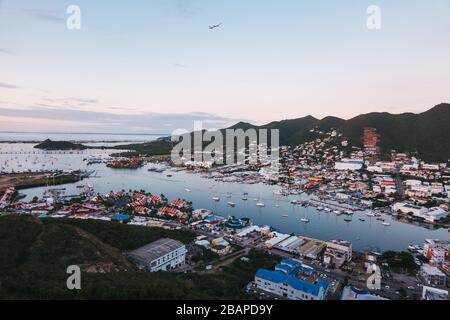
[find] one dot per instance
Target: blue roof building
(283, 282)
(120, 217)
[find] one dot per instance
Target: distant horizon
(237, 121)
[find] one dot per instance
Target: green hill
(425, 133)
(35, 254)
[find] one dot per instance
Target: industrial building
(162, 255)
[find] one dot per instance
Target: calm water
(370, 234)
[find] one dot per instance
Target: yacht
(285, 216)
(348, 219)
(216, 199)
(260, 204)
(387, 224)
(370, 214)
(231, 204)
(188, 190)
(305, 220)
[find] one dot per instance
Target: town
(308, 269)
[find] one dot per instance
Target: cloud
(6, 51)
(46, 15)
(8, 86)
(91, 121)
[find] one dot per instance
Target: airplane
(215, 26)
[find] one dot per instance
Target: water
(368, 235)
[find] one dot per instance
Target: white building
(348, 166)
(337, 253)
(161, 255)
(430, 293)
(284, 283)
(432, 275)
(408, 208)
(437, 251)
(432, 215)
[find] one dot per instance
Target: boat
(216, 199)
(285, 216)
(337, 212)
(370, 214)
(260, 204)
(277, 206)
(228, 195)
(349, 212)
(361, 219)
(387, 224)
(231, 204)
(169, 175)
(305, 220)
(348, 219)
(320, 208)
(188, 190)
(244, 198)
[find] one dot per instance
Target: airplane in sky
(215, 26)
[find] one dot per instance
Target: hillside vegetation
(35, 254)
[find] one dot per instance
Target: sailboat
(305, 219)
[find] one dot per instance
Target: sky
(154, 66)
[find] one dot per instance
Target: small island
(59, 145)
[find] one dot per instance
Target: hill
(59, 145)
(425, 133)
(35, 254)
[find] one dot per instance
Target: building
(371, 139)
(283, 282)
(433, 215)
(432, 275)
(359, 292)
(349, 165)
(438, 252)
(410, 209)
(162, 255)
(337, 253)
(430, 293)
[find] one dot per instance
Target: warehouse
(162, 255)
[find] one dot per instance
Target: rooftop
(157, 249)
